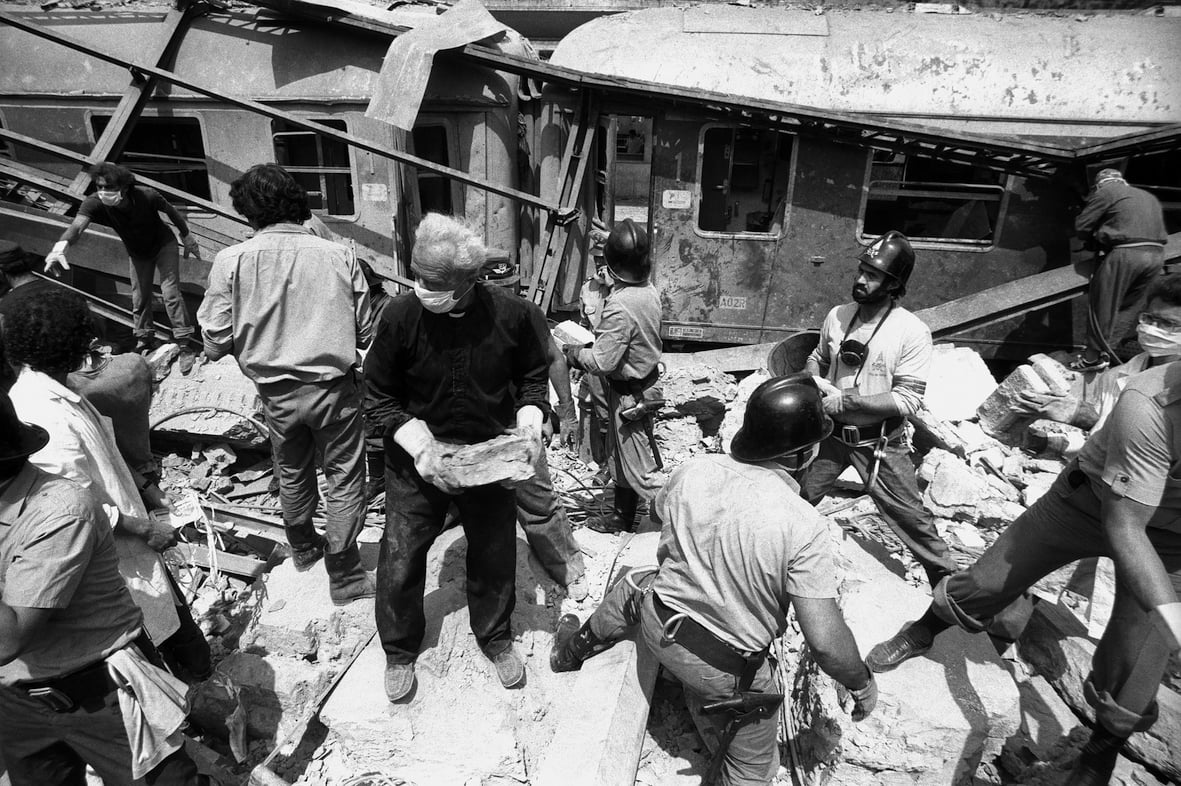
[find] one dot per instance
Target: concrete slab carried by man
(294, 309)
(872, 364)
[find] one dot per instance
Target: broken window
(1160, 175)
(932, 200)
(434, 190)
(167, 149)
(744, 180)
(320, 164)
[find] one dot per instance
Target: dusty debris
(500, 459)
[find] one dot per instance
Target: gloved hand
(569, 425)
(191, 248)
(826, 388)
(547, 431)
(864, 699)
(1167, 619)
(55, 260)
(159, 535)
(570, 351)
(834, 404)
(530, 422)
(1060, 408)
(416, 439)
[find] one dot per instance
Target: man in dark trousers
(738, 548)
(67, 626)
(455, 361)
(1120, 498)
(133, 212)
(626, 354)
(872, 363)
(1125, 226)
(294, 309)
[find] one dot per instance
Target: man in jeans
(294, 309)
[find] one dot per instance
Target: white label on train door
(375, 192)
(732, 301)
(680, 331)
(677, 200)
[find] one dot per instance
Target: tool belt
(869, 435)
(705, 645)
(634, 387)
(87, 687)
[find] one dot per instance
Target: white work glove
(826, 387)
(864, 699)
(191, 248)
(529, 423)
(416, 439)
(1167, 619)
(55, 260)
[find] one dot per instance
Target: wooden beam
(238, 565)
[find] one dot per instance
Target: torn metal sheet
(407, 66)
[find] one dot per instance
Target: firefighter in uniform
(738, 547)
(872, 364)
(626, 353)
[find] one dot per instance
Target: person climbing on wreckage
(738, 547)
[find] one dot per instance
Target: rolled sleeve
(1138, 456)
(46, 572)
(812, 572)
(909, 384)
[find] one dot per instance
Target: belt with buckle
(85, 687)
(701, 642)
(866, 436)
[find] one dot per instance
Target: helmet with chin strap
(626, 252)
(784, 415)
(891, 254)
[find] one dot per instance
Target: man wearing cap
(456, 361)
(293, 309)
(626, 354)
(69, 634)
(1126, 228)
(16, 269)
(737, 549)
(872, 363)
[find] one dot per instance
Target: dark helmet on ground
(891, 253)
(784, 415)
(626, 252)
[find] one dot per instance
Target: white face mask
(804, 463)
(1158, 342)
(110, 198)
(439, 302)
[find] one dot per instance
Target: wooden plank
(236, 564)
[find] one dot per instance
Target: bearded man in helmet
(626, 354)
(872, 364)
(728, 518)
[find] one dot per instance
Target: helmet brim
(745, 445)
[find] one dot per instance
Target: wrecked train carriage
(198, 144)
(758, 200)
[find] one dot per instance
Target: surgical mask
(803, 464)
(438, 302)
(1158, 342)
(110, 198)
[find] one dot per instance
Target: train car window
(1160, 175)
(932, 200)
(321, 165)
(744, 180)
(434, 190)
(168, 149)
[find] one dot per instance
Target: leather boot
(1097, 759)
(622, 517)
(374, 474)
(347, 579)
(573, 644)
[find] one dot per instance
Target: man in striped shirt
(872, 364)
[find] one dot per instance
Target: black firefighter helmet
(891, 253)
(784, 415)
(626, 252)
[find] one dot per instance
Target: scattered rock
(962, 493)
(502, 458)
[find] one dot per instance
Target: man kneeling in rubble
(1121, 498)
(734, 553)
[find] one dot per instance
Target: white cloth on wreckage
(154, 705)
(82, 449)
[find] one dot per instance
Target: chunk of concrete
(959, 382)
(500, 459)
(274, 693)
(736, 409)
(957, 491)
(1058, 378)
(223, 397)
(938, 716)
(998, 414)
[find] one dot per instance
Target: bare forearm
(1137, 565)
(884, 405)
(9, 634)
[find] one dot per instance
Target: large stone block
(274, 693)
(959, 382)
(957, 491)
(503, 458)
(998, 414)
(938, 717)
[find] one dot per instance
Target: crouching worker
(76, 670)
(738, 547)
(1119, 498)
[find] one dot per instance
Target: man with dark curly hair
(46, 339)
(133, 211)
(294, 310)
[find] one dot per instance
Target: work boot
(577, 589)
(399, 680)
(1097, 759)
(510, 669)
(573, 644)
(913, 640)
(306, 557)
(188, 356)
(347, 579)
(145, 344)
(622, 517)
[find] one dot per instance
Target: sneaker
(577, 589)
(509, 667)
(308, 556)
(399, 680)
(910, 642)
